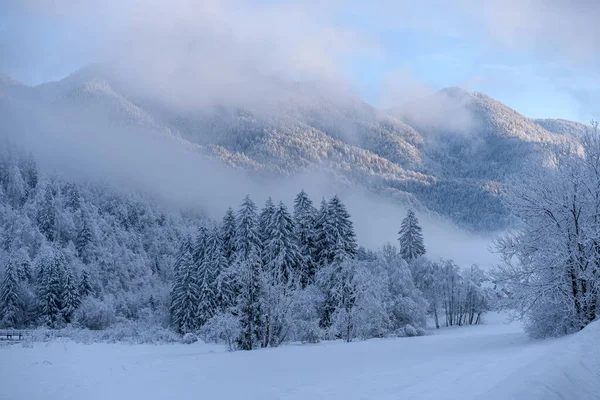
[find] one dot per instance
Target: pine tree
(264, 219)
(228, 229)
(85, 287)
(10, 301)
(46, 217)
(411, 239)
(185, 294)
(215, 256)
(334, 232)
(200, 246)
(50, 289)
(71, 299)
(30, 174)
(281, 256)
(16, 190)
(208, 272)
(23, 264)
(343, 227)
(248, 276)
(304, 227)
(73, 198)
(84, 238)
(324, 242)
(282, 261)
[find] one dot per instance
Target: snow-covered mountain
(451, 159)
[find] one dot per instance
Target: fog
(191, 55)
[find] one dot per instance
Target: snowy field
(491, 361)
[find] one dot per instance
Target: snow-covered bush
(222, 328)
(305, 315)
(189, 338)
(95, 314)
(410, 330)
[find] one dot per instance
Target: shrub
(95, 314)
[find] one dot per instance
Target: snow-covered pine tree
(248, 276)
(305, 215)
(228, 228)
(46, 217)
(281, 257)
(10, 302)
(16, 190)
(23, 265)
(224, 283)
(208, 272)
(411, 239)
(50, 289)
(84, 238)
(71, 299)
(324, 241)
(30, 174)
(264, 220)
(330, 283)
(282, 275)
(85, 286)
(185, 294)
(73, 198)
(200, 246)
(343, 226)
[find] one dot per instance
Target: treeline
(262, 278)
(81, 253)
(86, 255)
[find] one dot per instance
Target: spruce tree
(342, 228)
(305, 216)
(323, 239)
(281, 257)
(71, 299)
(200, 246)
(228, 229)
(85, 287)
(208, 272)
(23, 265)
(50, 290)
(46, 217)
(84, 238)
(185, 294)
(248, 276)
(264, 219)
(30, 174)
(215, 256)
(10, 301)
(411, 239)
(16, 189)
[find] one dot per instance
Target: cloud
(428, 109)
(212, 51)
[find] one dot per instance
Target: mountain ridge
(439, 167)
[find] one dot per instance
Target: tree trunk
(267, 330)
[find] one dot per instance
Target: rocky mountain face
(449, 154)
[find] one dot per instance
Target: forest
(78, 256)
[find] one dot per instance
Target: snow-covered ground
(491, 361)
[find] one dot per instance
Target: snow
(491, 361)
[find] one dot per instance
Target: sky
(540, 57)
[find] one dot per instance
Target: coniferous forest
(86, 256)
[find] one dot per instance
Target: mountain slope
(562, 126)
(451, 158)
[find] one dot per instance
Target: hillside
(453, 170)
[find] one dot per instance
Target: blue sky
(511, 50)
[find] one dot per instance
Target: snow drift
(570, 370)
